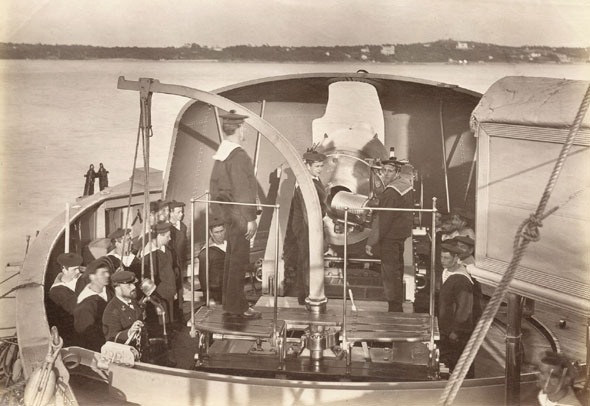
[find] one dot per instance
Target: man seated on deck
(123, 317)
(63, 296)
(217, 248)
(91, 303)
(455, 307)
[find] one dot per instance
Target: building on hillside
(462, 45)
(388, 50)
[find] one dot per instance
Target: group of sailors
(114, 298)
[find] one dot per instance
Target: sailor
(89, 183)
(123, 317)
(467, 245)
(296, 244)
(163, 211)
(455, 316)
(90, 305)
(164, 275)
(103, 177)
(556, 377)
(390, 230)
(63, 296)
(178, 234)
(460, 222)
(178, 243)
(121, 243)
(233, 180)
(217, 249)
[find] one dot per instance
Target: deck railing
(207, 201)
(432, 264)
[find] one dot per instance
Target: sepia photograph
(294, 202)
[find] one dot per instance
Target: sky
(294, 22)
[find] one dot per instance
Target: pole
(67, 229)
(444, 152)
(276, 274)
(257, 150)
(344, 280)
(432, 272)
(218, 124)
(193, 333)
(471, 171)
(513, 354)
(206, 250)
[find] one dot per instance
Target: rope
(125, 251)
(9, 278)
(24, 285)
(528, 231)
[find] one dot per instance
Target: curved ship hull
(426, 122)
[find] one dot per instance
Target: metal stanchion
(193, 333)
(67, 230)
(432, 271)
(206, 249)
(344, 280)
(276, 274)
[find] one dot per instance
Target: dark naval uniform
(455, 315)
(88, 318)
(297, 237)
(232, 180)
(165, 278)
(63, 295)
(216, 268)
(89, 183)
(178, 243)
(103, 178)
(390, 234)
(118, 316)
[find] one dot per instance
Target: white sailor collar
(400, 185)
(462, 271)
(87, 292)
(222, 246)
(70, 285)
(225, 148)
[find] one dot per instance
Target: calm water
(57, 117)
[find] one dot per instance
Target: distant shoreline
(360, 63)
(443, 51)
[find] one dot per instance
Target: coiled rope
(528, 231)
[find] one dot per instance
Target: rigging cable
(528, 231)
(132, 181)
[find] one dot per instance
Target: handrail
(432, 264)
(276, 207)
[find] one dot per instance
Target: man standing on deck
(233, 180)
(297, 235)
(390, 231)
(455, 316)
(63, 295)
(178, 243)
(164, 275)
(91, 303)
